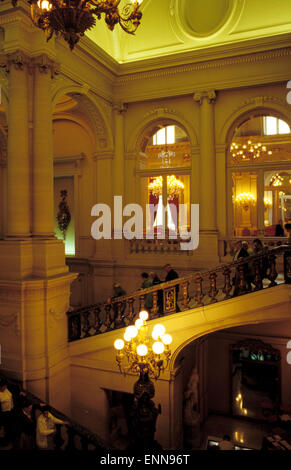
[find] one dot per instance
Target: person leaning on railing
(46, 428)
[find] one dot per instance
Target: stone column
(18, 175)
(207, 253)
(260, 203)
(207, 160)
(43, 176)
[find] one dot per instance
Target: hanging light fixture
(174, 186)
(72, 18)
(245, 200)
(248, 151)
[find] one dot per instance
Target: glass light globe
(127, 336)
(167, 339)
(142, 350)
(158, 331)
(138, 323)
(143, 315)
(44, 5)
(158, 347)
(132, 331)
(119, 344)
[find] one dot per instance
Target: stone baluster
(130, 310)
(199, 294)
(118, 321)
(242, 285)
(142, 302)
(227, 284)
(186, 298)
(273, 272)
(257, 280)
(107, 321)
(212, 291)
(155, 305)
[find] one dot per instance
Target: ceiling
(177, 26)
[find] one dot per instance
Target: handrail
(99, 318)
(74, 429)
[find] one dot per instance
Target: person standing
(226, 443)
(156, 280)
(26, 426)
(147, 282)
(6, 416)
(46, 428)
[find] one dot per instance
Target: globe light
(158, 331)
(158, 347)
(127, 336)
(142, 350)
(119, 344)
(138, 323)
(44, 5)
(167, 339)
(143, 315)
(132, 331)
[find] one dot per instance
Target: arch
(261, 106)
(152, 122)
(77, 120)
(91, 107)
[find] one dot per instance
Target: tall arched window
(260, 174)
(165, 175)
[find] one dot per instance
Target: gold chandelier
(248, 151)
(142, 354)
(72, 18)
(245, 200)
(174, 186)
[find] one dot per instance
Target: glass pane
(170, 135)
(244, 197)
(257, 140)
(277, 201)
(161, 154)
(283, 127)
(270, 125)
(178, 192)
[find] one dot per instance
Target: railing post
(155, 305)
(107, 322)
(186, 298)
(118, 321)
(142, 302)
(58, 440)
(86, 325)
(213, 291)
(130, 310)
(258, 280)
(71, 439)
(199, 294)
(227, 284)
(273, 273)
(242, 285)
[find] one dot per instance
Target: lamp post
(147, 356)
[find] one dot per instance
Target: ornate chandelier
(72, 18)
(142, 354)
(276, 180)
(166, 157)
(174, 186)
(248, 151)
(245, 200)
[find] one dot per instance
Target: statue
(191, 414)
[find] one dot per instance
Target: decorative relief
(86, 107)
(214, 64)
(7, 321)
(261, 100)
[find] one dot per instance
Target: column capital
(120, 108)
(45, 65)
(210, 95)
(15, 59)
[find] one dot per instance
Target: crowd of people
(21, 427)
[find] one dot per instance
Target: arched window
(165, 175)
(260, 174)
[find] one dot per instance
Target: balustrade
(236, 278)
